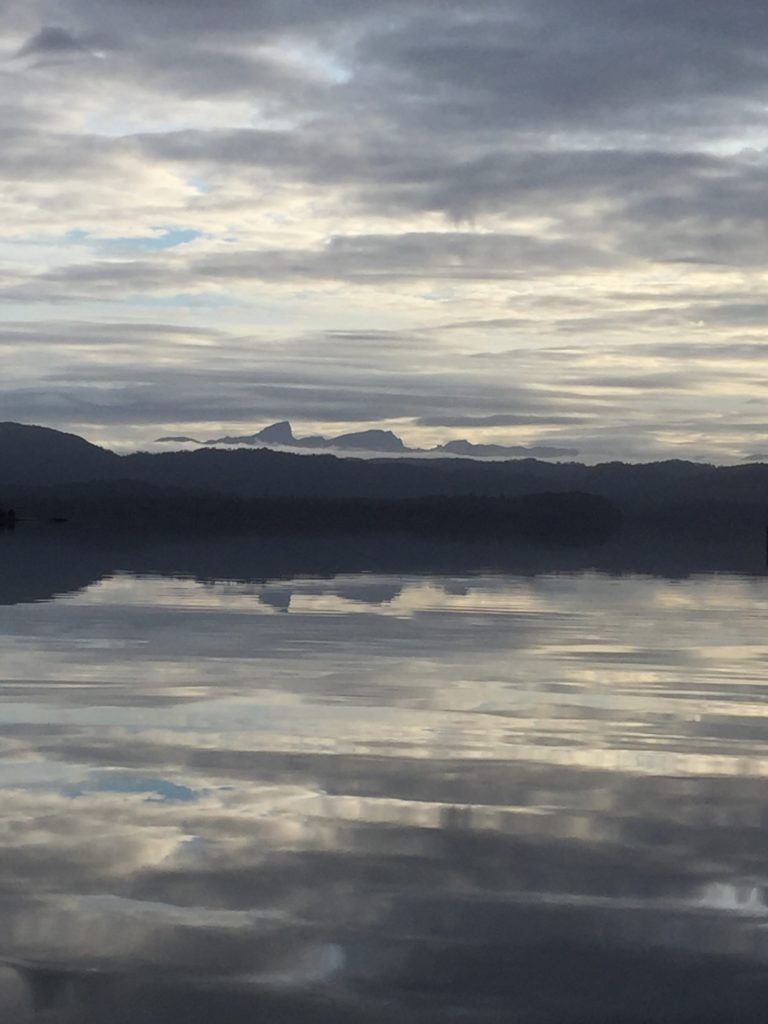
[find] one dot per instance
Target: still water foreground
(386, 798)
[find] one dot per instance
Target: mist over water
(448, 795)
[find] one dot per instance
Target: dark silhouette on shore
(544, 518)
(8, 518)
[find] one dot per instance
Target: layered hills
(46, 472)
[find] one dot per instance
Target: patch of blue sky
(166, 238)
(154, 788)
(201, 185)
(162, 237)
(76, 236)
(324, 64)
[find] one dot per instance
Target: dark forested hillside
(39, 456)
(48, 472)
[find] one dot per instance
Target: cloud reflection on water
(446, 798)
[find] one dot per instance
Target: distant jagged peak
(370, 440)
(277, 433)
(281, 433)
(376, 440)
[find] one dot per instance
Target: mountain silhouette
(49, 474)
(374, 440)
(41, 456)
(467, 448)
(282, 434)
(277, 433)
(370, 440)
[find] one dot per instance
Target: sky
(513, 221)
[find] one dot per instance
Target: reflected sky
(468, 797)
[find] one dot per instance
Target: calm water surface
(386, 798)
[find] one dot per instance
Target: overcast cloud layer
(517, 221)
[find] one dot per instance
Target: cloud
(471, 186)
(540, 67)
(52, 40)
(353, 260)
(497, 420)
(322, 834)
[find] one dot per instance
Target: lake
(534, 797)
